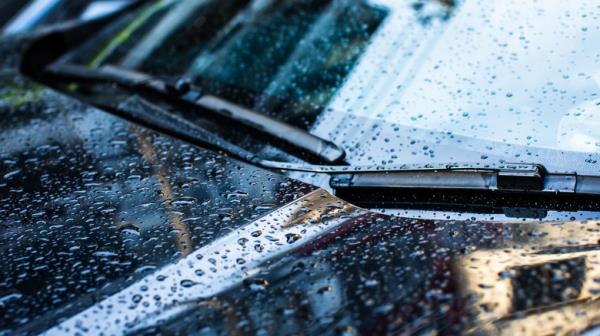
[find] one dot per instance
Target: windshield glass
(394, 82)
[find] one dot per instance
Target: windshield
(394, 82)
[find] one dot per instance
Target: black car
(217, 167)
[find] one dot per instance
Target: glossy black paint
(90, 202)
(385, 276)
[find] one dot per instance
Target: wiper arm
(305, 143)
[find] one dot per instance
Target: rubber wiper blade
(507, 185)
(517, 177)
(500, 181)
(304, 144)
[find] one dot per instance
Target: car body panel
(325, 266)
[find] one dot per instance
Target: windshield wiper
(305, 143)
(365, 186)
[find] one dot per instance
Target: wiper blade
(521, 177)
(304, 142)
(458, 185)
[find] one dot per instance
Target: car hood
(111, 227)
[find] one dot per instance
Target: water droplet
(256, 284)
(371, 283)
(292, 237)
(187, 283)
(184, 201)
(105, 254)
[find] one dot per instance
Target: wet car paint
(214, 268)
(326, 267)
(95, 208)
(90, 202)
